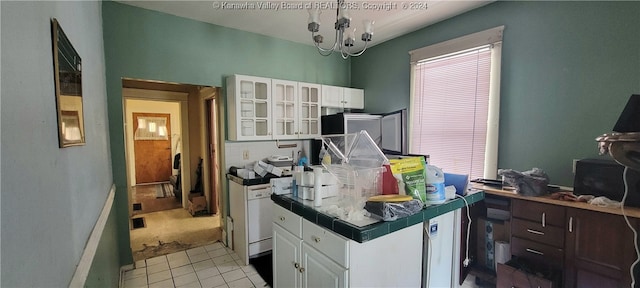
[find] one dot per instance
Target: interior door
(152, 147)
(213, 162)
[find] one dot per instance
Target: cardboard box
(490, 231)
(511, 277)
(197, 203)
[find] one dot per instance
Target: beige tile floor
(173, 230)
(207, 266)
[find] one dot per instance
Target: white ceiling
(394, 19)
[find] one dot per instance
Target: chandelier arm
(361, 52)
(321, 50)
(346, 53)
(330, 50)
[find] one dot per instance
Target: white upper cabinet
(342, 97)
(353, 98)
(309, 110)
(332, 96)
(285, 100)
(272, 109)
(249, 108)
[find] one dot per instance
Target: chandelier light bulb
(350, 34)
(368, 26)
(344, 12)
(314, 15)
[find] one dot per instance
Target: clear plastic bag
(529, 183)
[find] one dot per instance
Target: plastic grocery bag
(529, 183)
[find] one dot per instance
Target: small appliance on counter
(281, 186)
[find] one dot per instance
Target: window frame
(493, 38)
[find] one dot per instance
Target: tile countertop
(371, 231)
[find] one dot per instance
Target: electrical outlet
(245, 155)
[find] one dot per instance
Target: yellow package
(411, 172)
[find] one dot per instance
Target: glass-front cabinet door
(309, 110)
(249, 108)
(284, 102)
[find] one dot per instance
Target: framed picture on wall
(67, 68)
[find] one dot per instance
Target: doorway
(165, 138)
(155, 137)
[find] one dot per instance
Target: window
(455, 103)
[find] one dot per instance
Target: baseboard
(124, 269)
(83, 267)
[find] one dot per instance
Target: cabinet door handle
(535, 232)
(281, 218)
(544, 218)
(301, 269)
(571, 224)
(296, 265)
(535, 252)
(316, 239)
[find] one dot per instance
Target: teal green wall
(145, 44)
(568, 69)
(105, 269)
(51, 197)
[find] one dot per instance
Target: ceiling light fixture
(345, 37)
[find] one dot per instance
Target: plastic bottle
(294, 183)
(435, 185)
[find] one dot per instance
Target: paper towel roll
(502, 252)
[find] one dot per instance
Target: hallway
(169, 231)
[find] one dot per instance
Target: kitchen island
(314, 249)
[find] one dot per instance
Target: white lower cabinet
(308, 255)
(286, 258)
(320, 271)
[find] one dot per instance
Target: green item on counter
(413, 176)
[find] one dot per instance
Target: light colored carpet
(172, 231)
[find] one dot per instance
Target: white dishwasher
(251, 209)
(260, 222)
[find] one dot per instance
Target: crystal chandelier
(345, 37)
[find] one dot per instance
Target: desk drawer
(545, 214)
(551, 235)
(288, 220)
(328, 243)
(537, 252)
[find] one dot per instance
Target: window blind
(450, 111)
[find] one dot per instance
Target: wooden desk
(595, 247)
(629, 211)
